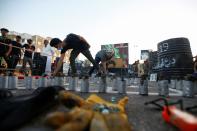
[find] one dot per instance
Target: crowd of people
(11, 52)
(143, 69)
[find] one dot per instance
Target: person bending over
(78, 45)
(103, 56)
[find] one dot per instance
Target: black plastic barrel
(39, 64)
(175, 58)
(153, 59)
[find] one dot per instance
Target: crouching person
(103, 57)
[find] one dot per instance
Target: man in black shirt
(15, 55)
(5, 46)
(78, 45)
(28, 54)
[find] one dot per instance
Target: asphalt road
(141, 117)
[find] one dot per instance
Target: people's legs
(8, 61)
(16, 60)
(30, 61)
(1, 60)
(88, 55)
(24, 62)
(13, 62)
(48, 65)
(73, 56)
(97, 60)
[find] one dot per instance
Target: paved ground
(141, 117)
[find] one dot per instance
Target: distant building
(12, 35)
(38, 42)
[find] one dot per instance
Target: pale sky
(141, 23)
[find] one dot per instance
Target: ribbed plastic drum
(153, 61)
(175, 57)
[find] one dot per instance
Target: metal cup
(12, 82)
(72, 83)
(115, 84)
(172, 84)
(85, 85)
(179, 84)
(28, 82)
(59, 81)
(43, 82)
(143, 88)
(4, 82)
(163, 88)
(122, 87)
(188, 88)
(102, 85)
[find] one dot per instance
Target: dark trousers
(7, 60)
(1, 62)
(74, 55)
(13, 61)
(25, 61)
(97, 60)
(143, 78)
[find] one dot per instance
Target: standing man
(103, 56)
(5, 46)
(15, 55)
(135, 68)
(78, 44)
(48, 51)
(28, 55)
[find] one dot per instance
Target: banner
(145, 54)
(121, 54)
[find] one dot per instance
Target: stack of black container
(39, 64)
(175, 58)
(153, 59)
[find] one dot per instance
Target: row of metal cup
(189, 88)
(11, 82)
(119, 84)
